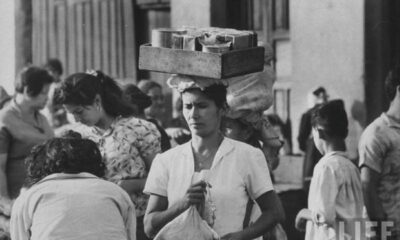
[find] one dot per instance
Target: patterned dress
(124, 147)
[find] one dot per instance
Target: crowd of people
(112, 172)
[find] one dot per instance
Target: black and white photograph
(200, 120)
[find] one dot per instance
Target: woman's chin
(200, 132)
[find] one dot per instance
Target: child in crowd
(68, 199)
(335, 199)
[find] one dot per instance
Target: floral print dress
(124, 147)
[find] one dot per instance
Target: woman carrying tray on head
(234, 170)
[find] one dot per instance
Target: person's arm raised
(158, 214)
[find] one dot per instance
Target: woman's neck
(24, 105)
(203, 144)
(105, 122)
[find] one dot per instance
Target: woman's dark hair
(54, 65)
(82, 88)
(34, 79)
(331, 118)
(135, 96)
(216, 92)
(69, 154)
(392, 82)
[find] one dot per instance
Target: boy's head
(392, 82)
(330, 122)
(69, 154)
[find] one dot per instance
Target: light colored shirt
(124, 146)
(17, 137)
(238, 172)
(379, 149)
(73, 206)
(335, 198)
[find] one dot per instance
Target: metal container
(163, 37)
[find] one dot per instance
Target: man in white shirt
(379, 151)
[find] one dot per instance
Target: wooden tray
(195, 63)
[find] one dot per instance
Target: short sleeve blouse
(239, 172)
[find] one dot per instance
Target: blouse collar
(224, 148)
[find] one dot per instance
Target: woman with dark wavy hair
(68, 199)
(128, 144)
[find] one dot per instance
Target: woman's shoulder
(134, 123)
(243, 155)
(8, 114)
(241, 147)
(174, 154)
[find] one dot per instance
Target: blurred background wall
(7, 45)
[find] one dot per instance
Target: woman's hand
(301, 219)
(158, 214)
(195, 195)
(232, 236)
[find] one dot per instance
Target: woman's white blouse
(239, 172)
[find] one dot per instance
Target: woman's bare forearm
(263, 224)
(156, 220)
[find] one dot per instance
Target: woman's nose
(195, 112)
